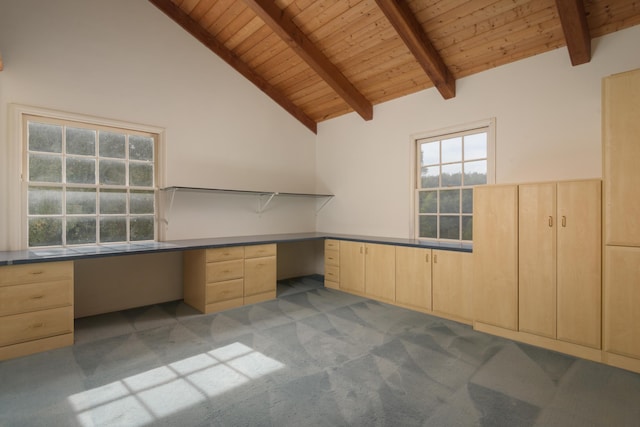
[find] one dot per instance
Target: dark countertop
(100, 251)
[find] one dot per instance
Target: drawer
(331, 245)
(35, 296)
(258, 251)
(223, 291)
(332, 273)
(37, 272)
(225, 270)
(225, 254)
(38, 324)
(331, 257)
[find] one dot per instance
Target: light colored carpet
(313, 357)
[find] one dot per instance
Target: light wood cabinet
(368, 269)
(222, 278)
(452, 275)
(332, 264)
(36, 308)
(495, 255)
(260, 273)
(621, 138)
(560, 261)
(622, 293)
(413, 277)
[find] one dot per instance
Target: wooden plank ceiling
(320, 59)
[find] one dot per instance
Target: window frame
(438, 135)
(19, 181)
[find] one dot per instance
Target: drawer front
(331, 245)
(35, 296)
(225, 270)
(332, 273)
(37, 272)
(223, 291)
(225, 254)
(331, 257)
(258, 251)
(38, 324)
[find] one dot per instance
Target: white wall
(548, 120)
(125, 60)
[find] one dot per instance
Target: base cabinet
(36, 308)
(413, 278)
(222, 278)
(368, 269)
(332, 264)
(452, 280)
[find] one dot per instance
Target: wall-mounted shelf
(264, 197)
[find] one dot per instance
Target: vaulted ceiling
(320, 59)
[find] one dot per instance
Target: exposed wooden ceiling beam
(193, 28)
(413, 35)
(289, 32)
(576, 30)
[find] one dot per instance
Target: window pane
(81, 170)
(430, 177)
(113, 202)
(113, 172)
(475, 172)
(475, 146)
(467, 200)
(81, 230)
(450, 227)
(113, 229)
(141, 174)
(112, 145)
(81, 201)
(467, 228)
(45, 231)
(140, 147)
(43, 168)
(141, 202)
(141, 228)
(45, 137)
(45, 201)
(428, 201)
(81, 141)
(430, 153)
(429, 226)
(449, 201)
(452, 175)
(452, 150)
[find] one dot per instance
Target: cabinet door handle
(435, 259)
(564, 221)
(360, 249)
(550, 221)
(426, 258)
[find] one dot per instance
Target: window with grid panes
(448, 168)
(88, 184)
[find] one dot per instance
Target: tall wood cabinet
(559, 248)
(621, 135)
(495, 255)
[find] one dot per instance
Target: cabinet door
(579, 279)
(621, 297)
(495, 255)
(259, 278)
(452, 284)
(621, 134)
(380, 272)
(352, 267)
(537, 258)
(413, 277)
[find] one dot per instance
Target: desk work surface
(100, 251)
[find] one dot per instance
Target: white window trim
(17, 184)
(491, 159)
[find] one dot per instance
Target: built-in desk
(37, 285)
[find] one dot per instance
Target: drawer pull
(37, 297)
(35, 273)
(37, 325)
